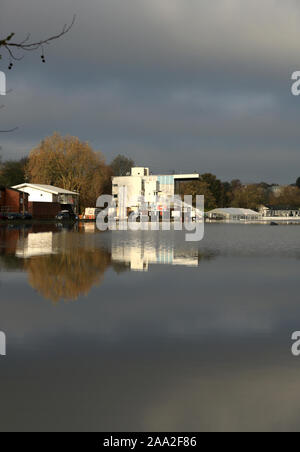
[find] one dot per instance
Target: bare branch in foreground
(27, 46)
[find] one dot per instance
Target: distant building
(233, 214)
(279, 211)
(50, 194)
(277, 190)
(140, 183)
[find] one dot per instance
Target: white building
(142, 184)
(49, 193)
(280, 212)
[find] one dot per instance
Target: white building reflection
(138, 254)
(137, 251)
(35, 244)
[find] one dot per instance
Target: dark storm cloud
(176, 85)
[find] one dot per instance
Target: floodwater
(142, 331)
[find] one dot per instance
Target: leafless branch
(27, 46)
(9, 130)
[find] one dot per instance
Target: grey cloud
(204, 85)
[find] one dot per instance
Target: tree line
(235, 194)
(74, 165)
(68, 163)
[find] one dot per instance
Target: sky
(177, 85)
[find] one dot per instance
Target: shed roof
(47, 188)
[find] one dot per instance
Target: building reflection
(61, 264)
(139, 254)
(64, 264)
(38, 244)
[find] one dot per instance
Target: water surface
(142, 331)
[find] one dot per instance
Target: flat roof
(174, 176)
(186, 176)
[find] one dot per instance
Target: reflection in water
(39, 244)
(60, 265)
(187, 349)
(66, 264)
(69, 274)
(138, 254)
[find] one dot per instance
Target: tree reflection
(67, 275)
(64, 264)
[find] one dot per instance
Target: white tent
(233, 214)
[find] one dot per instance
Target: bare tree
(13, 48)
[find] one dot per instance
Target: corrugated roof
(234, 211)
(47, 188)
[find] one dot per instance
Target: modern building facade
(143, 184)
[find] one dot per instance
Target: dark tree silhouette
(121, 165)
(12, 172)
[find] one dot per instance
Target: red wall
(10, 200)
(44, 210)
